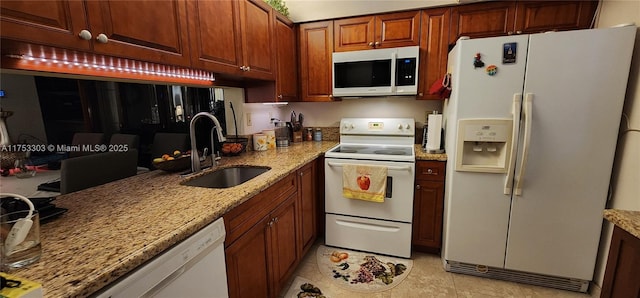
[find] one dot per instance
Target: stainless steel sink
(227, 177)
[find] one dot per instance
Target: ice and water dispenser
(484, 145)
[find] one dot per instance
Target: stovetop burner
(385, 139)
(380, 152)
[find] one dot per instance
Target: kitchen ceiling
(313, 10)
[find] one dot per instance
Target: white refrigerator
(530, 133)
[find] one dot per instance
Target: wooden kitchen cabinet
(378, 31)
(282, 243)
(261, 245)
(260, 262)
(113, 28)
(434, 37)
(541, 16)
(307, 206)
(153, 31)
(54, 23)
(428, 206)
(258, 41)
(519, 17)
(234, 38)
(482, 20)
(623, 266)
(246, 259)
(215, 42)
(316, 49)
(286, 49)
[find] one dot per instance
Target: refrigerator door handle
(515, 130)
(527, 113)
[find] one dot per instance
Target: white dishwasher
(193, 268)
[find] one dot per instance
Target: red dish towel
(364, 182)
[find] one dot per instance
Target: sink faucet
(195, 159)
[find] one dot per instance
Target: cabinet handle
(420, 94)
(417, 186)
(102, 38)
(242, 68)
(429, 171)
(275, 219)
(518, 32)
(280, 96)
(371, 44)
(510, 33)
(301, 174)
(377, 43)
(270, 223)
(248, 68)
(85, 34)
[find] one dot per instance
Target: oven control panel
(378, 126)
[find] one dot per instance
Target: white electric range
(385, 227)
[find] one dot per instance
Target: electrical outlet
(248, 116)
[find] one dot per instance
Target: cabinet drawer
(430, 170)
(240, 219)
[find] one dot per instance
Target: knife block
(297, 136)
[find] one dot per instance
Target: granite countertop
(113, 228)
(422, 155)
(625, 219)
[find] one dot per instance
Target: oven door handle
(405, 168)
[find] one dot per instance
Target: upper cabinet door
(354, 34)
(316, 56)
(258, 42)
(148, 30)
(433, 49)
(287, 74)
(540, 16)
(390, 30)
(482, 20)
(54, 23)
(397, 30)
(215, 41)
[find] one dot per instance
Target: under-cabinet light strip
(120, 65)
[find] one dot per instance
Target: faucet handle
(204, 154)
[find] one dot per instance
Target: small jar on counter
(309, 136)
(317, 135)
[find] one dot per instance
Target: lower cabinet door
(247, 274)
(427, 215)
(283, 245)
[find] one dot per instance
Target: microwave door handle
(394, 71)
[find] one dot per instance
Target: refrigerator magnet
(477, 61)
(509, 51)
(492, 70)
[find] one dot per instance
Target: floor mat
(361, 271)
(302, 287)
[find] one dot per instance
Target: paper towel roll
(434, 126)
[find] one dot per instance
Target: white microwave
(380, 72)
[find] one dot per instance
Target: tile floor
(429, 279)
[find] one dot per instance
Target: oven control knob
(407, 126)
(400, 126)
